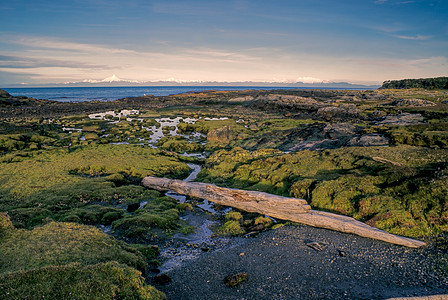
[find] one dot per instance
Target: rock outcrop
(369, 140)
(242, 99)
(412, 102)
(336, 130)
(221, 135)
(403, 119)
(341, 111)
(4, 94)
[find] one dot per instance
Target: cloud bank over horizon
(236, 41)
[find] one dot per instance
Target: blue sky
(359, 41)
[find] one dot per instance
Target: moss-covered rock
(63, 243)
(231, 228)
(366, 183)
(100, 281)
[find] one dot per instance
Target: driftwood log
(292, 209)
(251, 201)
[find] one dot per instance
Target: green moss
(301, 188)
(234, 215)
(205, 126)
(234, 280)
(187, 229)
(179, 144)
(5, 223)
(263, 220)
(63, 243)
(117, 179)
(61, 185)
(149, 251)
(365, 183)
(53, 167)
(231, 227)
(101, 281)
(30, 216)
(342, 194)
(159, 213)
(91, 136)
(279, 225)
(185, 206)
(93, 214)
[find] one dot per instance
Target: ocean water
(78, 94)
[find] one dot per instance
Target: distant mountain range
(114, 81)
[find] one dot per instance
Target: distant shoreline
(111, 93)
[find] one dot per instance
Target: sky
(356, 41)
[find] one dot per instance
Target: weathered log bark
(292, 209)
(349, 225)
(251, 201)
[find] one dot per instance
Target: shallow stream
(181, 248)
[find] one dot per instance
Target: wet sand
(280, 265)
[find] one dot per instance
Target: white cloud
(50, 60)
(415, 38)
(389, 28)
(59, 44)
(439, 61)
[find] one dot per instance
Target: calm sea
(77, 94)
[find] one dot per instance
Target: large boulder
(339, 130)
(4, 94)
(369, 140)
(221, 135)
(242, 99)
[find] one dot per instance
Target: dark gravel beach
(280, 265)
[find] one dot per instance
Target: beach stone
(316, 246)
(133, 207)
(259, 227)
(162, 279)
(235, 279)
(154, 270)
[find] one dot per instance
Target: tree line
(424, 83)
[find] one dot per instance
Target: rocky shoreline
(377, 156)
(281, 264)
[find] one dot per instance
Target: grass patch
(100, 281)
(61, 244)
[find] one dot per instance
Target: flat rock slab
(280, 265)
